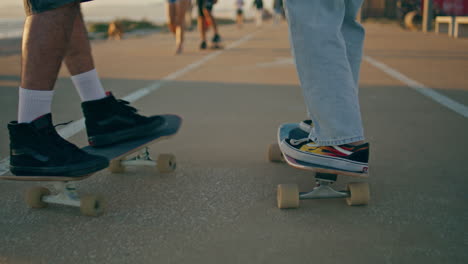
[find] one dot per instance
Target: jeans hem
(336, 142)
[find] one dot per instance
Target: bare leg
(171, 16)
(78, 57)
(43, 53)
(181, 6)
(240, 20)
(202, 28)
(209, 16)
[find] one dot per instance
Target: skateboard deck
(38, 197)
(288, 195)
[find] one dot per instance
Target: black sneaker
(216, 38)
(37, 150)
(110, 121)
(203, 45)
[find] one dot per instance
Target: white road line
(421, 88)
(277, 62)
(4, 165)
(76, 126)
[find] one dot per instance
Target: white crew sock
(89, 86)
(33, 104)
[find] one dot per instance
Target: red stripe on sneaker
(334, 152)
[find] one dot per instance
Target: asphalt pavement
(219, 206)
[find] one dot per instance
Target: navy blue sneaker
(111, 121)
(37, 150)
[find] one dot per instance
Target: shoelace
(296, 142)
(126, 105)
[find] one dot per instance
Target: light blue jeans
(327, 44)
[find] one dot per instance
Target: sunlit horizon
(96, 2)
(13, 9)
(222, 3)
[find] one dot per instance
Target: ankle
(89, 86)
(33, 104)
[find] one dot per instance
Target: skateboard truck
(323, 189)
(142, 159)
(64, 194)
(165, 163)
(357, 193)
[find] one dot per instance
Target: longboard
(92, 205)
(288, 195)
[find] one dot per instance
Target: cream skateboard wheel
(91, 205)
(116, 166)
(288, 196)
(166, 163)
(34, 197)
(274, 153)
(359, 193)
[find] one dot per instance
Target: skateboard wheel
(274, 153)
(116, 166)
(166, 163)
(359, 193)
(91, 205)
(34, 197)
(288, 196)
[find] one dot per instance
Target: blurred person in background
(176, 10)
(258, 4)
(205, 20)
(188, 16)
(239, 13)
(278, 11)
